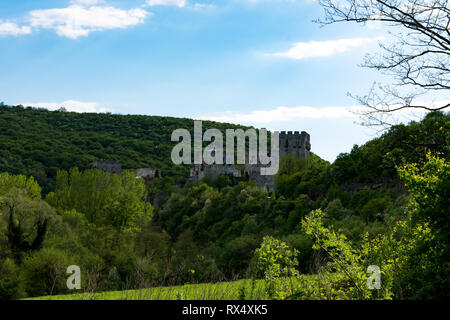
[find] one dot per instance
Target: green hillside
(38, 142)
(384, 203)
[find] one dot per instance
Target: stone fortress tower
(295, 143)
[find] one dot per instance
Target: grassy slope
(205, 291)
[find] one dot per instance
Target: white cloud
(12, 29)
(70, 105)
(76, 20)
(282, 114)
(289, 115)
(199, 6)
(258, 1)
(178, 3)
(305, 50)
(87, 2)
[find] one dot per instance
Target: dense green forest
(384, 203)
(39, 142)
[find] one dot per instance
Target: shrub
(274, 259)
(45, 272)
(11, 284)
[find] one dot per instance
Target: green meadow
(233, 290)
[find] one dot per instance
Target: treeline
(210, 230)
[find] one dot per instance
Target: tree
(427, 267)
(222, 182)
(289, 164)
(418, 58)
(26, 221)
(24, 217)
(11, 284)
(105, 199)
(44, 272)
(29, 185)
(273, 260)
(345, 265)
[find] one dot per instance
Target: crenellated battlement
(296, 143)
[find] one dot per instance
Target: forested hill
(376, 160)
(38, 142)
(214, 230)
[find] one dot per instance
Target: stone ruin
(295, 143)
(116, 168)
(148, 174)
(108, 166)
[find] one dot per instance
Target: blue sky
(258, 62)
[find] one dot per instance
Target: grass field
(235, 290)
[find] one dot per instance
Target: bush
(11, 284)
(274, 259)
(44, 272)
(303, 246)
(335, 210)
(376, 209)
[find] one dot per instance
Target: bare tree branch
(418, 58)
